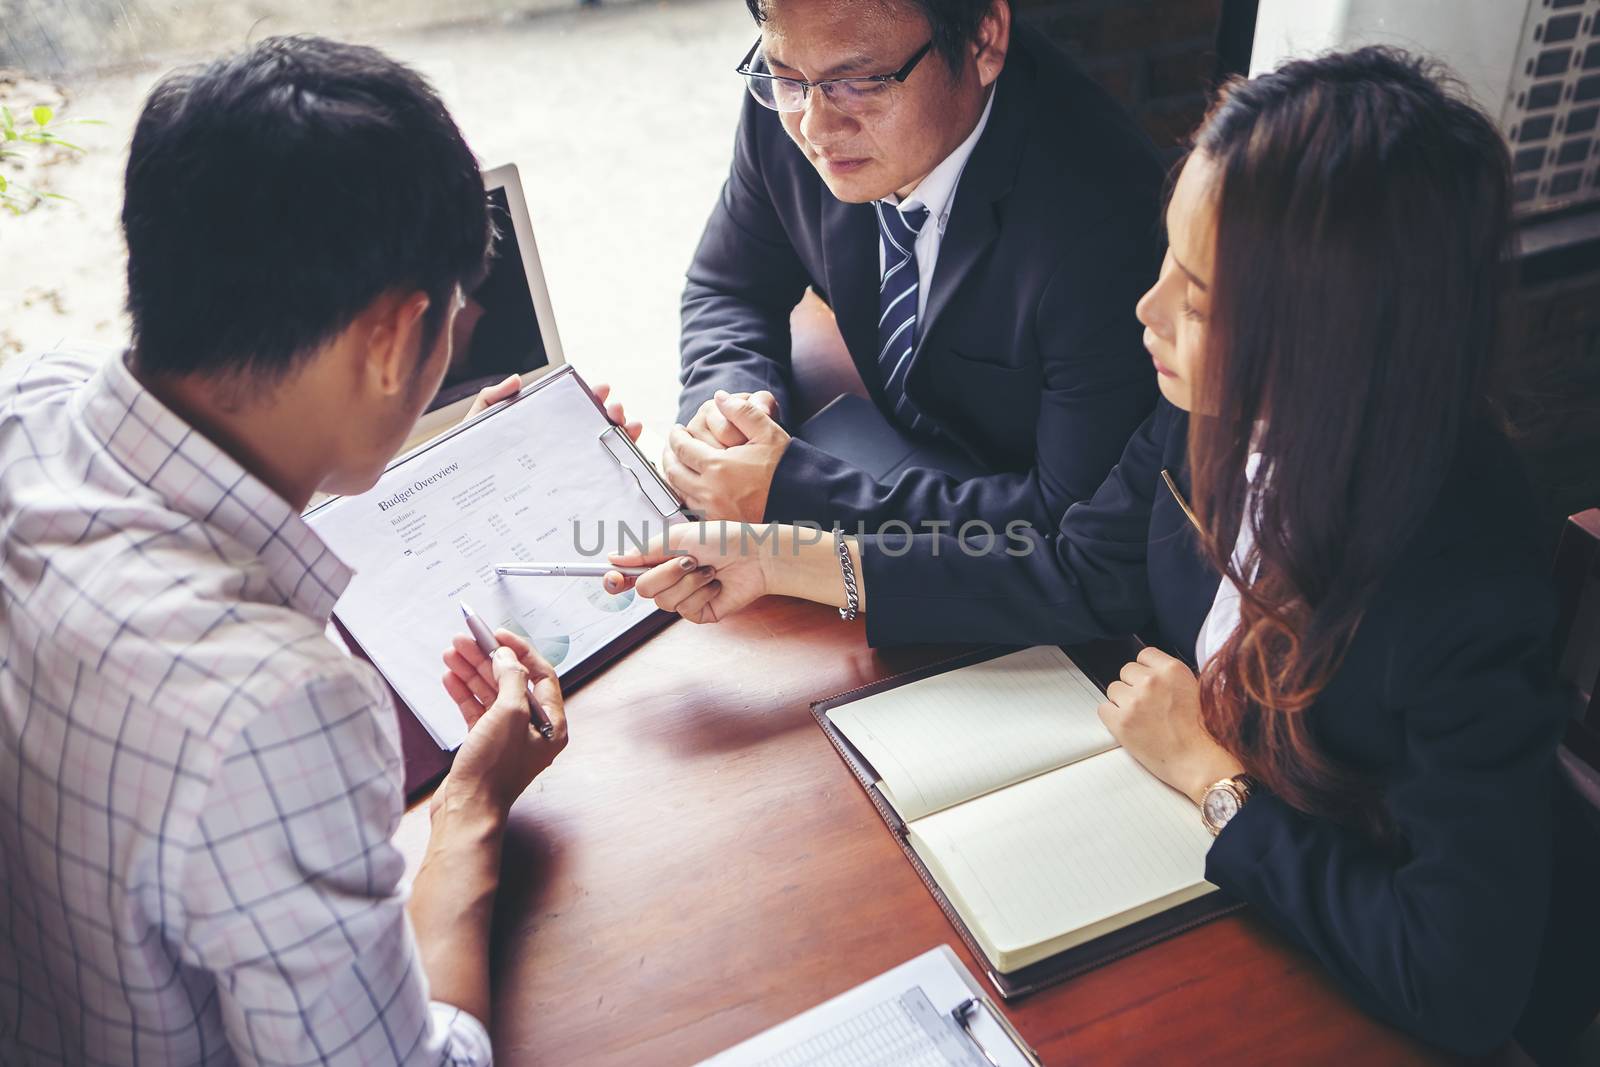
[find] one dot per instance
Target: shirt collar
(194, 477)
(936, 192)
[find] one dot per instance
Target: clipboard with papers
(545, 475)
(927, 1012)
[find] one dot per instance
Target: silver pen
(487, 644)
(563, 570)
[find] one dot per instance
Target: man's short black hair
(273, 195)
(954, 22)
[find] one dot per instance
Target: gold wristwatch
(1223, 800)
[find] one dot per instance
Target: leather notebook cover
(1101, 661)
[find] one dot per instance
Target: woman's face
(1175, 310)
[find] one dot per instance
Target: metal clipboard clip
(626, 454)
(964, 1011)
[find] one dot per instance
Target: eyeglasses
(856, 97)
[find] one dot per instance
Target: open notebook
(1029, 822)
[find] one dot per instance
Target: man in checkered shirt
(197, 788)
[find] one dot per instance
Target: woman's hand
(1154, 712)
(705, 571)
(503, 751)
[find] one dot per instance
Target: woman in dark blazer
(1323, 527)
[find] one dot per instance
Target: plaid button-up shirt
(197, 788)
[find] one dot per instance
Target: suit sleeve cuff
(801, 483)
(896, 584)
(1247, 839)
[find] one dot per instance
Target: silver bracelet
(852, 596)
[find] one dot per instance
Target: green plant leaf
(50, 138)
(3, 183)
(42, 115)
(6, 119)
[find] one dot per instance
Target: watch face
(1220, 806)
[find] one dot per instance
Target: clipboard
(426, 759)
(1101, 661)
(928, 1010)
(614, 439)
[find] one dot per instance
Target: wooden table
(699, 865)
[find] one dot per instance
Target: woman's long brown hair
(1363, 216)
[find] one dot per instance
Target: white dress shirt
(1223, 618)
(937, 193)
(199, 788)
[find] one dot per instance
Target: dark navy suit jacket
(1446, 696)
(1029, 356)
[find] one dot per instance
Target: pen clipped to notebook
(487, 644)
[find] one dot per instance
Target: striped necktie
(897, 307)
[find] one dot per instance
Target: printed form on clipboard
(545, 476)
(927, 1012)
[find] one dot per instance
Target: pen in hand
(562, 570)
(485, 639)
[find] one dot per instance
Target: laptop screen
(497, 333)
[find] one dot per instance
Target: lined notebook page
(1063, 858)
(958, 735)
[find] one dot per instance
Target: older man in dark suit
(981, 218)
